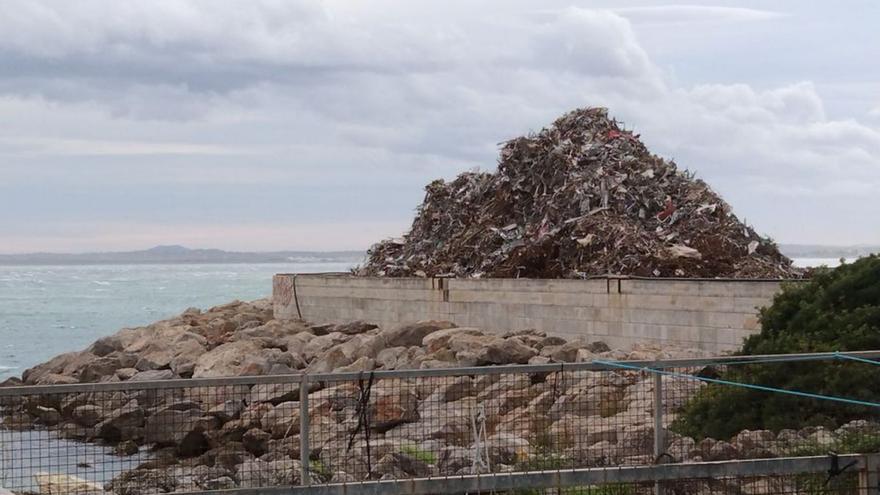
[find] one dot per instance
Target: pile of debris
(581, 198)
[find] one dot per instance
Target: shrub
(836, 310)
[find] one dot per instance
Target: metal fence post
(304, 430)
(659, 437)
(869, 478)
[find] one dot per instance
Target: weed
(421, 455)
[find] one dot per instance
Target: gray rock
(355, 327)
(125, 423)
(87, 415)
(47, 415)
(256, 441)
(169, 427)
(152, 375)
(414, 333)
(282, 421)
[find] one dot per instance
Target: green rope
(798, 393)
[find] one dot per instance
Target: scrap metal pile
(581, 198)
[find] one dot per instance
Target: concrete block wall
(715, 315)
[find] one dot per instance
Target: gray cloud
(305, 95)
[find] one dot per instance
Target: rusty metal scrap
(580, 198)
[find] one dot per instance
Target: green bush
(836, 310)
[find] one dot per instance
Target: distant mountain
(179, 254)
(824, 251)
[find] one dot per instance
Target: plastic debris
(581, 198)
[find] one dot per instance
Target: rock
(47, 415)
(354, 327)
(453, 459)
(387, 358)
(489, 349)
(413, 333)
(821, 437)
(99, 368)
(169, 427)
(152, 375)
(220, 483)
(393, 406)
(565, 353)
(755, 443)
(126, 373)
(361, 364)
(87, 415)
(438, 340)
(240, 358)
(722, 451)
(255, 441)
(638, 440)
(55, 379)
(401, 466)
(65, 484)
(140, 481)
(127, 448)
(282, 420)
(507, 448)
(681, 448)
(227, 410)
(258, 473)
(328, 361)
(580, 432)
(105, 346)
(125, 423)
(452, 389)
(274, 393)
(321, 344)
(56, 365)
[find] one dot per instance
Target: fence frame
(868, 464)
(865, 464)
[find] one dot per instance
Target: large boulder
(65, 484)
(438, 340)
(393, 405)
(169, 427)
(125, 423)
(483, 350)
(87, 415)
(413, 333)
(239, 358)
(282, 420)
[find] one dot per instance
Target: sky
(266, 125)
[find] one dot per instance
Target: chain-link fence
(296, 430)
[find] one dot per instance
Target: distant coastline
(180, 255)
(184, 255)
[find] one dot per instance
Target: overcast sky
(305, 125)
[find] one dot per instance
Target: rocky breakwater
(246, 435)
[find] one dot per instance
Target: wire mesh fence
(293, 430)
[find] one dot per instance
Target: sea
(48, 310)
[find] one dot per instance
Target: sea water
(48, 310)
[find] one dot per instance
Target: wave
(100, 282)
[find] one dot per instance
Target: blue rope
(838, 355)
(762, 388)
(764, 360)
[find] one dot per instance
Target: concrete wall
(710, 314)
